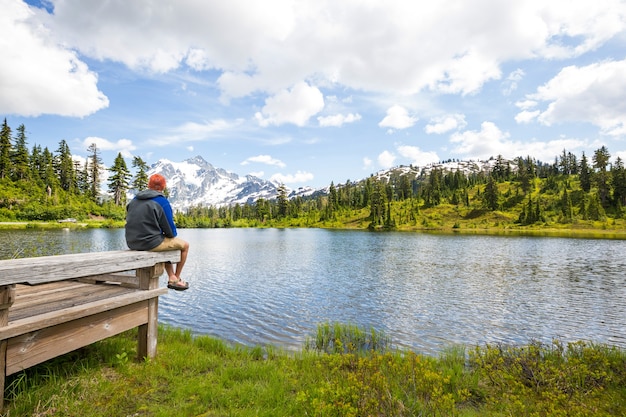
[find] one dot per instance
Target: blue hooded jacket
(149, 220)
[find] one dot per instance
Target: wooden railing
(51, 305)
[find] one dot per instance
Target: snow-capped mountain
(466, 167)
(195, 182)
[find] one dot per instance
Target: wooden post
(7, 296)
(147, 338)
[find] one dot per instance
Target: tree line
(39, 184)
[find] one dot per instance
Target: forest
(42, 185)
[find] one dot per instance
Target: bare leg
(183, 258)
(174, 276)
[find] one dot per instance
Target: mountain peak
(195, 182)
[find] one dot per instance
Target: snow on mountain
(195, 182)
(466, 167)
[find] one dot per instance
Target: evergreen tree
(491, 196)
(36, 164)
(595, 210)
(378, 204)
(20, 157)
(618, 178)
(141, 177)
(283, 201)
(48, 176)
(602, 178)
(5, 150)
(94, 171)
(566, 206)
(119, 180)
(65, 167)
(584, 174)
(523, 175)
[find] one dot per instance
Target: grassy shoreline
(583, 231)
(203, 376)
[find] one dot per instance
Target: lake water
(426, 291)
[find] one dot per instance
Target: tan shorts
(170, 243)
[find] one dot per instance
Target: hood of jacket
(148, 194)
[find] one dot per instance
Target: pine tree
(618, 178)
(65, 167)
(491, 196)
(94, 171)
(566, 206)
(283, 201)
(20, 157)
(602, 178)
(5, 150)
(378, 204)
(584, 174)
(119, 180)
(141, 177)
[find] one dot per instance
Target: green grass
(203, 376)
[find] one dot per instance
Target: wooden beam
(78, 265)
(35, 347)
(53, 318)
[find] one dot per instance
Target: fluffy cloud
(298, 177)
(386, 159)
(416, 156)
(39, 76)
(491, 141)
(338, 120)
(270, 45)
(398, 118)
(124, 146)
(593, 93)
(295, 106)
(264, 159)
(445, 124)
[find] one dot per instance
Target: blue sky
(312, 91)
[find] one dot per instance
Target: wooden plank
(78, 265)
(29, 324)
(66, 299)
(126, 279)
(24, 292)
(32, 348)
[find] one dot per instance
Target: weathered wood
(78, 265)
(74, 300)
(33, 348)
(52, 318)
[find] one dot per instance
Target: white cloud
(593, 93)
(280, 43)
(338, 120)
(386, 159)
(264, 159)
(193, 131)
(445, 124)
(39, 76)
(125, 146)
(491, 141)
(417, 156)
(298, 177)
(510, 84)
(398, 118)
(367, 163)
(295, 106)
(526, 116)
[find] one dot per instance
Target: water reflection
(426, 291)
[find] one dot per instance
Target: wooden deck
(71, 301)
